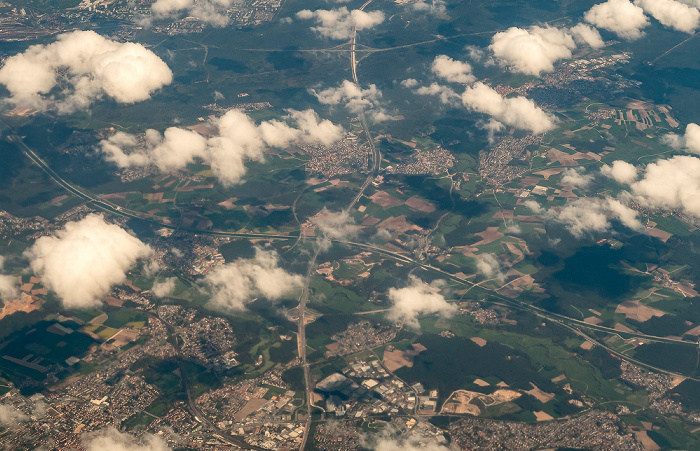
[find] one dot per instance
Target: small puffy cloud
(446, 94)
(406, 444)
(577, 178)
(672, 184)
(620, 17)
(236, 139)
(9, 285)
(212, 12)
(409, 83)
(339, 23)
(621, 171)
(10, 415)
(415, 299)
(584, 34)
(672, 14)
(335, 225)
(690, 141)
(585, 215)
(81, 262)
(492, 127)
(490, 267)
(436, 7)
(534, 206)
(111, 439)
(451, 70)
(355, 99)
(531, 51)
(164, 288)
(518, 112)
(238, 282)
(79, 68)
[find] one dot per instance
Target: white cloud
(415, 443)
(672, 14)
(534, 206)
(339, 23)
(354, 98)
(236, 139)
(436, 7)
(335, 225)
(672, 184)
(451, 70)
(690, 141)
(84, 260)
(416, 299)
(79, 68)
(111, 439)
(492, 127)
(518, 112)
(238, 282)
(577, 178)
(8, 287)
(10, 415)
(409, 83)
(447, 95)
(164, 288)
(489, 266)
(213, 12)
(583, 34)
(621, 171)
(8, 284)
(531, 51)
(620, 17)
(586, 215)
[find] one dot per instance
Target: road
(301, 343)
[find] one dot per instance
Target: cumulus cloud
(620, 17)
(492, 127)
(518, 112)
(113, 440)
(8, 287)
(690, 141)
(489, 266)
(235, 140)
(81, 262)
(584, 34)
(534, 206)
(672, 14)
(10, 415)
(586, 215)
(339, 23)
(672, 184)
(8, 284)
(335, 225)
(386, 443)
(531, 51)
(446, 94)
(436, 7)
(409, 83)
(238, 282)
(621, 171)
(79, 68)
(415, 299)
(213, 12)
(577, 178)
(451, 70)
(355, 99)
(164, 288)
